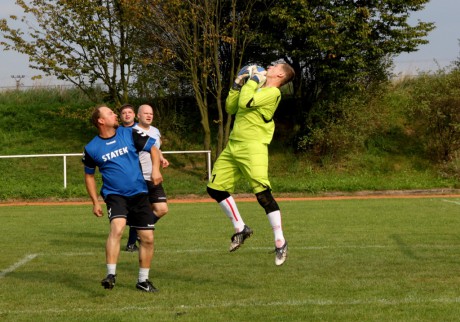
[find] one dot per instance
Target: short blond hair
(289, 73)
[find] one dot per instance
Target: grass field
(349, 260)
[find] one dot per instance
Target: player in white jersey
(157, 195)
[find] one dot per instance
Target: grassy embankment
(54, 121)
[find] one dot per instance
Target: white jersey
(144, 157)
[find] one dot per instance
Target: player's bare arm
(91, 188)
(157, 178)
(164, 161)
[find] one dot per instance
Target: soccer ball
(249, 68)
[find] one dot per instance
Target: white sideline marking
(178, 251)
(80, 254)
(224, 250)
(16, 265)
(451, 201)
(305, 302)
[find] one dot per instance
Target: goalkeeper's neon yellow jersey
(254, 109)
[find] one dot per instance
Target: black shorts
(135, 209)
(156, 192)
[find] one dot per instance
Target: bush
(334, 129)
(435, 111)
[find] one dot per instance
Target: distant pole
(18, 78)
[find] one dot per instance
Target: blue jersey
(118, 161)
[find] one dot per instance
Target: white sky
(443, 47)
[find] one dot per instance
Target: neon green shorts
(241, 159)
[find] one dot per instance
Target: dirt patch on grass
(432, 193)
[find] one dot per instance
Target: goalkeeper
(253, 100)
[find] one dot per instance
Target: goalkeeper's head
(279, 74)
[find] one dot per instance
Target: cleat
(239, 238)
(281, 254)
(146, 286)
(132, 248)
(109, 281)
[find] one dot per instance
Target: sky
(442, 50)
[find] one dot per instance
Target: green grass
(349, 260)
(56, 121)
(39, 178)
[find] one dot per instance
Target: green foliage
(82, 41)
(435, 109)
(339, 46)
(341, 52)
(158, 49)
(335, 129)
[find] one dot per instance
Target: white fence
(65, 155)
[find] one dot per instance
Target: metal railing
(65, 155)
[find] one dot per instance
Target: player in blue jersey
(127, 117)
(115, 152)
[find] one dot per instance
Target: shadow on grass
(404, 247)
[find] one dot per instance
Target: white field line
(30, 257)
(233, 304)
(16, 265)
(223, 249)
(310, 248)
(451, 201)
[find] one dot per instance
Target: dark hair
(289, 73)
(125, 106)
(95, 115)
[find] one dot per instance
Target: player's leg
(117, 227)
(160, 209)
(272, 210)
(146, 248)
(132, 239)
(228, 205)
(224, 175)
(256, 172)
(117, 210)
(158, 200)
(141, 217)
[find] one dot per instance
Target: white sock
(275, 221)
(111, 269)
(143, 274)
(231, 210)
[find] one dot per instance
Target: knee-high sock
(231, 210)
(274, 218)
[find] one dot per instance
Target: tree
(81, 41)
(203, 40)
(338, 47)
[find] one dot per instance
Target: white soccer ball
(248, 69)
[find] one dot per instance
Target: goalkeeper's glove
(242, 76)
(258, 75)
